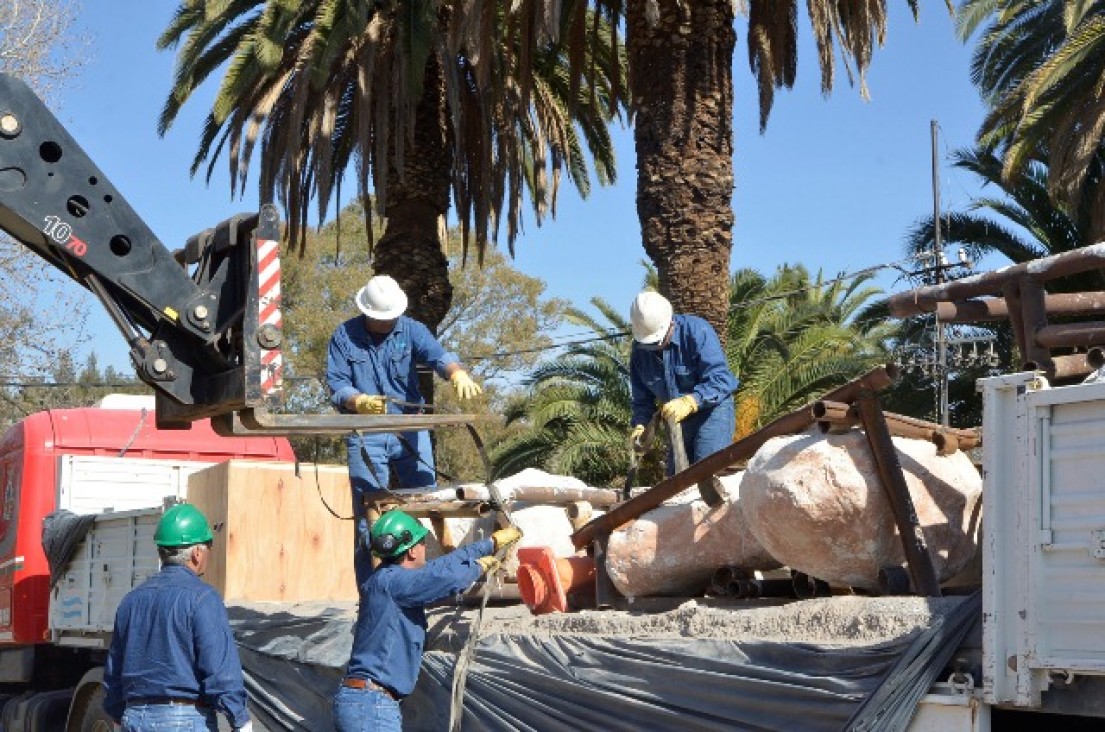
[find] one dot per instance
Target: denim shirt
(356, 365)
(692, 363)
(391, 621)
(172, 639)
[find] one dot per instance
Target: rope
(464, 660)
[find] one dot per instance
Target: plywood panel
(279, 541)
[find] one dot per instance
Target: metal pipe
(946, 443)
(1070, 366)
(544, 494)
(946, 439)
(924, 299)
(606, 594)
(1071, 334)
(995, 308)
(966, 438)
(1095, 357)
(897, 492)
(1012, 293)
(834, 417)
(721, 581)
(792, 423)
(1035, 319)
(579, 513)
(806, 587)
(751, 589)
(707, 489)
(452, 509)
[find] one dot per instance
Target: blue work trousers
(706, 431)
(366, 710)
(414, 467)
(148, 717)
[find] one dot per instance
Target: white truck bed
(118, 554)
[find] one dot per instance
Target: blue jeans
(415, 470)
(365, 710)
(149, 717)
(706, 432)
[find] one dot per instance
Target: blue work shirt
(692, 363)
(357, 365)
(172, 639)
(391, 621)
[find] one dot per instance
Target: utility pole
(939, 260)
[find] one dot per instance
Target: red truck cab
(29, 458)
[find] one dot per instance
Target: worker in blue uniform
(391, 619)
(173, 663)
(371, 368)
(677, 361)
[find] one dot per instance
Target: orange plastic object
(545, 581)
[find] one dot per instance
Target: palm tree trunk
(681, 81)
(410, 249)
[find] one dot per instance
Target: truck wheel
(88, 713)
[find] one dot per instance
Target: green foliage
(330, 86)
(1038, 66)
(793, 338)
(576, 413)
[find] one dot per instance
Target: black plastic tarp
(570, 682)
(62, 533)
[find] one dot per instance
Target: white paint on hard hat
(381, 299)
(650, 317)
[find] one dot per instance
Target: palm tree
(427, 101)
(680, 75)
(1039, 67)
(578, 408)
(791, 338)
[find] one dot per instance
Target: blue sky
(833, 183)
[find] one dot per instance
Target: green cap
(182, 525)
(395, 533)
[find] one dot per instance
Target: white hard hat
(382, 298)
(650, 317)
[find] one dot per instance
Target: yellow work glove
(464, 386)
(489, 565)
(506, 537)
(370, 404)
(679, 409)
(635, 436)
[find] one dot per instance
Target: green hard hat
(395, 533)
(182, 525)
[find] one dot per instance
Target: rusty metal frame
(918, 559)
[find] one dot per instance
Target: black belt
(175, 701)
(367, 685)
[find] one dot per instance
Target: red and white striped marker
(268, 303)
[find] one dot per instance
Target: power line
(840, 278)
(537, 349)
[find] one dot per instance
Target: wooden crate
(278, 542)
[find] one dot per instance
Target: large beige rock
(674, 549)
(816, 504)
